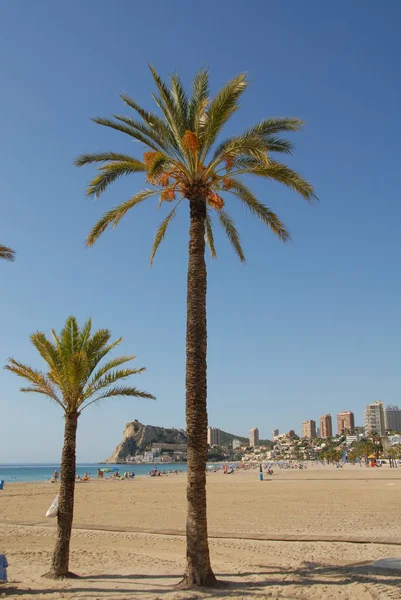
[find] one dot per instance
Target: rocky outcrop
(137, 438)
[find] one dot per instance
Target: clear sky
(300, 330)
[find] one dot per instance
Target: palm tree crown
(7, 253)
(74, 379)
(181, 160)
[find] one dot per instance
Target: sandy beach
(301, 534)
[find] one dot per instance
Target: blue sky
(300, 330)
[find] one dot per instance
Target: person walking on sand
(260, 472)
(55, 476)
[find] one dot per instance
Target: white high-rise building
(213, 436)
(374, 419)
(275, 433)
(236, 444)
(392, 418)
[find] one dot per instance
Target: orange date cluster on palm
(173, 179)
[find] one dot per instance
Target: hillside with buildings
(382, 426)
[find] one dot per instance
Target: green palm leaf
(161, 232)
(40, 382)
(119, 391)
(199, 100)
(153, 121)
(265, 214)
(276, 125)
(113, 216)
(95, 157)
(150, 132)
(111, 364)
(228, 225)
(221, 109)
(137, 135)
(209, 236)
(283, 174)
(181, 102)
(166, 104)
(111, 172)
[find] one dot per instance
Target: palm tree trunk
(61, 554)
(198, 570)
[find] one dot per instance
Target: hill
(226, 439)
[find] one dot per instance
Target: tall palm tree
(183, 162)
(74, 380)
(7, 253)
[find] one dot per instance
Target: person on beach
(55, 476)
(3, 568)
(260, 472)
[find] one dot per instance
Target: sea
(21, 473)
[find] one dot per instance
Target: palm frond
(69, 336)
(111, 172)
(228, 225)
(7, 253)
(253, 146)
(220, 110)
(283, 174)
(152, 121)
(199, 100)
(276, 125)
(181, 102)
(265, 214)
(137, 135)
(161, 232)
(84, 335)
(111, 364)
(113, 216)
(144, 130)
(120, 391)
(95, 157)
(40, 383)
(166, 104)
(108, 379)
(209, 235)
(47, 350)
(98, 347)
(277, 144)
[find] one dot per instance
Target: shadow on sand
(308, 574)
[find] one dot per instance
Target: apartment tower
(309, 429)
(345, 423)
(374, 419)
(254, 437)
(213, 436)
(326, 426)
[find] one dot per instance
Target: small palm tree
(392, 455)
(74, 380)
(7, 253)
(182, 162)
(377, 442)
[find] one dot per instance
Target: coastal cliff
(138, 438)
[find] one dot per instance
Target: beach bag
(53, 510)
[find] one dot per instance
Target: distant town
(379, 435)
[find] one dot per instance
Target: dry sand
(128, 536)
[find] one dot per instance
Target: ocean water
(43, 472)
